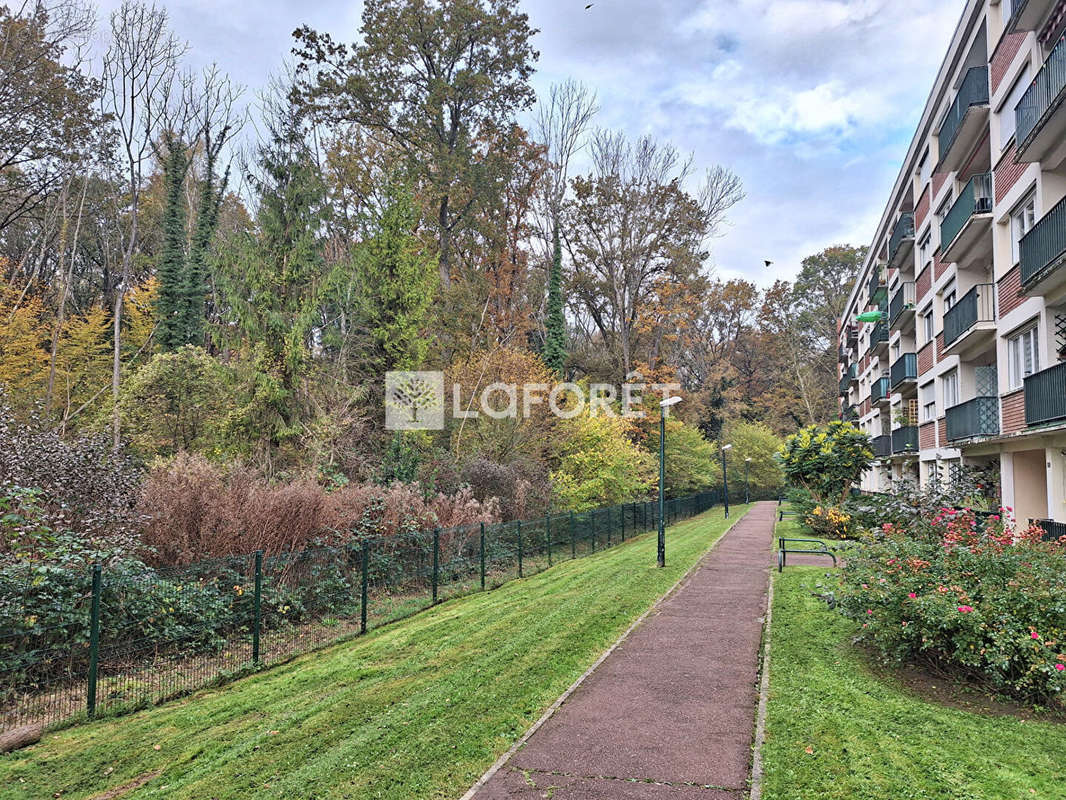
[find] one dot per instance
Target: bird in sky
(766, 262)
(590, 5)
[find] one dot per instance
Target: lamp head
(727, 447)
(747, 459)
(670, 401)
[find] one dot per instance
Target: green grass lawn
(837, 730)
(415, 710)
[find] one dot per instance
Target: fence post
(608, 512)
(519, 524)
(364, 586)
(481, 555)
(257, 605)
(548, 535)
(622, 513)
(590, 517)
(436, 562)
(94, 640)
(573, 537)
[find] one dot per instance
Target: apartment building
(966, 362)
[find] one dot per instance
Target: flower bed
(985, 600)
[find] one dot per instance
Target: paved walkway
(671, 712)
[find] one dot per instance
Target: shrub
(831, 522)
(826, 460)
(599, 464)
(692, 463)
(988, 604)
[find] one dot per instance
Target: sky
(811, 102)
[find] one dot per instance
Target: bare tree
(634, 231)
(140, 68)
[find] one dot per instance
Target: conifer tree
(555, 325)
(169, 304)
(194, 294)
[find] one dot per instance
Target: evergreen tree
(555, 335)
(194, 294)
(397, 282)
(169, 304)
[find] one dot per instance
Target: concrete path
(670, 713)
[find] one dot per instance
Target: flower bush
(988, 600)
(832, 522)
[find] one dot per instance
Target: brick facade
(942, 430)
(1009, 291)
(940, 347)
(939, 267)
(1006, 173)
(1005, 52)
(925, 358)
(1013, 408)
(923, 284)
(927, 436)
(921, 210)
(938, 182)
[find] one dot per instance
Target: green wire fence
(110, 639)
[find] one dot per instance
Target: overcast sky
(811, 102)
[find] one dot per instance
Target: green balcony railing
(973, 92)
(849, 414)
(977, 305)
(977, 417)
(1042, 249)
(903, 230)
(905, 440)
(880, 390)
(877, 284)
(902, 299)
(879, 334)
(904, 368)
(882, 446)
(1043, 95)
(1045, 395)
(975, 198)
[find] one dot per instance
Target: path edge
(550, 712)
(764, 698)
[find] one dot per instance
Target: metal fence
(109, 639)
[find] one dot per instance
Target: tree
(826, 460)
(632, 229)
(432, 79)
(396, 284)
(691, 461)
(555, 323)
(171, 269)
(756, 441)
(599, 464)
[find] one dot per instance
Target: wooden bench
(814, 547)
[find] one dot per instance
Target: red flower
(965, 609)
(912, 595)
(1034, 635)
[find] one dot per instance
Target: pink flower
(1060, 667)
(869, 611)
(1034, 635)
(965, 609)
(865, 586)
(912, 595)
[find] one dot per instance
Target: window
(928, 400)
(950, 386)
(1022, 219)
(897, 349)
(950, 299)
(925, 169)
(925, 248)
(1006, 111)
(1023, 357)
(927, 326)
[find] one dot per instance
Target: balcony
(973, 419)
(877, 287)
(1043, 252)
(901, 242)
(1026, 15)
(849, 414)
(882, 446)
(904, 370)
(901, 307)
(879, 335)
(905, 440)
(1039, 125)
(1045, 396)
(852, 336)
(970, 324)
(966, 230)
(965, 121)
(880, 391)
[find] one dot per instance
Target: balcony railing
(1053, 531)
(904, 368)
(880, 390)
(852, 335)
(882, 446)
(977, 417)
(903, 230)
(905, 440)
(1045, 395)
(879, 334)
(1042, 249)
(902, 300)
(973, 92)
(975, 198)
(877, 283)
(1043, 95)
(849, 414)
(977, 305)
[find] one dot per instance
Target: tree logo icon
(414, 401)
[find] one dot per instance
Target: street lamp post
(665, 404)
(747, 485)
(725, 480)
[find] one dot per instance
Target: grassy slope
(870, 739)
(416, 710)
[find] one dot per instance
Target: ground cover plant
(417, 709)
